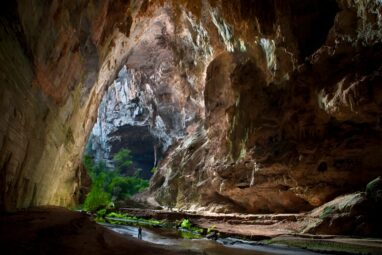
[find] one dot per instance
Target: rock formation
(153, 101)
(265, 106)
(291, 122)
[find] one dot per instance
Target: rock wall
(56, 60)
(292, 120)
(279, 101)
(153, 103)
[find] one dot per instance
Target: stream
(223, 246)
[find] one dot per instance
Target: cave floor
(270, 229)
(55, 230)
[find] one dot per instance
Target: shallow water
(223, 246)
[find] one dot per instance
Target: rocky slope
(277, 102)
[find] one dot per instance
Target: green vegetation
(110, 185)
(185, 224)
(185, 229)
(120, 218)
(122, 160)
(210, 229)
(190, 235)
(154, 170)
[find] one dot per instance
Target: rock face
(289, 124)
(265, 106)
(56, 59)
(152, 102)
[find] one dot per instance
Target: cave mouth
(125, 123)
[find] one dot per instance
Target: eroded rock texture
(56, 60)
(270, 106)
(153, 102)
(292, 121)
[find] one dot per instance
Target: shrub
(186, 224)
(96, 199)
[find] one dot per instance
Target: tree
(122, 160)
(109, 186)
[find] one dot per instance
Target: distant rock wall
(152, 102)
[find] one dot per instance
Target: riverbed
(223, 246)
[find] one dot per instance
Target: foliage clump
(110, 185)
(189, 231)
(186, 224)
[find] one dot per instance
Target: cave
(250, 118)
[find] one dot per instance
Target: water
(223, 246)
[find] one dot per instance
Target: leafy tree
(122, 160)
(96, 199)
(108, 185)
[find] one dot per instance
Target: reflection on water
(224, 246)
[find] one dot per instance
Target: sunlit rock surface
(153, 103)
(291, 122)
(264, 106)
(56, 60)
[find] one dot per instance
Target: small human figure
(139, 233)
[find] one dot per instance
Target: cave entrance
(125, 122)
(126, 143)
(151, 104)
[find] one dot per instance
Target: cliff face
(289, 124)
(56, 59)
(268, 105)
(153, 102)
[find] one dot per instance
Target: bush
(96, 199)
(186, 224)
